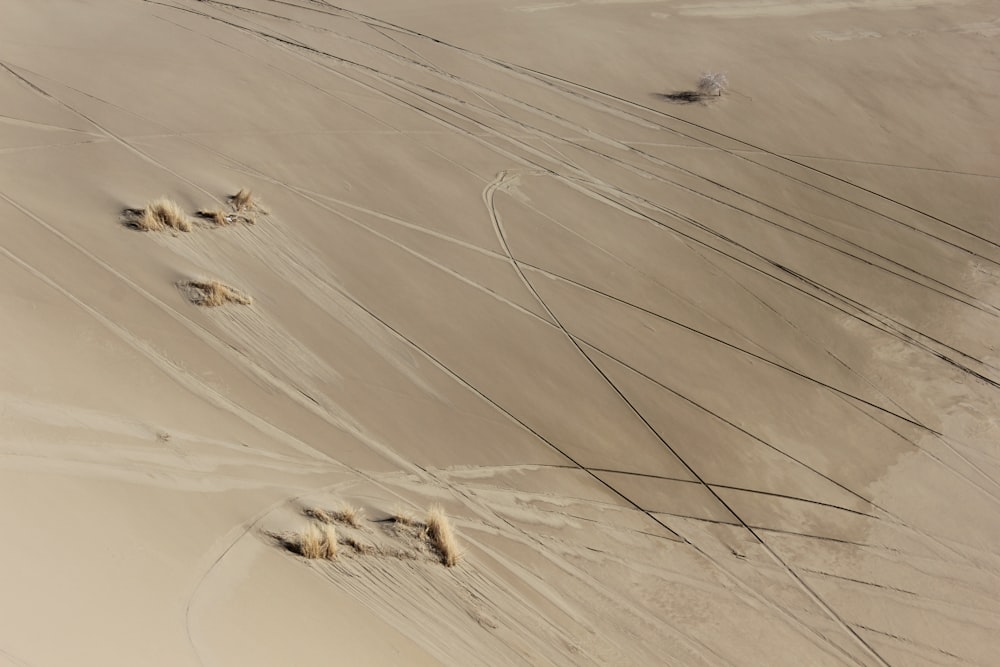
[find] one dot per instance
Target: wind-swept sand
(693, 384)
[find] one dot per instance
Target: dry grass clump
(317, 541)
(158, 215)
(216, 216)
(441, 536)
(245, 201)
(348, 515)
(213, 293)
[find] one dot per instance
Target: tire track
(498, 224)
(840, 393)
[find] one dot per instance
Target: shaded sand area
(702, 384)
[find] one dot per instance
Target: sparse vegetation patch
(162, 214)
(402, 537)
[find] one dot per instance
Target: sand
(695, 384)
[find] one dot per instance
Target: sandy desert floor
(697, 384)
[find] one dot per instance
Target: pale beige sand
(709, 384)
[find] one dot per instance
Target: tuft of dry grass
(441, 536)
(329, 542)
(346, 515)
(310, 542)
(349, 515)
(216, 216)
(317, 542)
(245, 201)
(158, 215)
(213, 293)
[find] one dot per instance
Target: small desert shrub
(317, 542)
(158, 215)
(213, 293)
(440, 535)
(713, 83)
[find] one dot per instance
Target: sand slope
(701, 384)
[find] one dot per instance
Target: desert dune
(475, 333)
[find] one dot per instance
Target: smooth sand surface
(703, 384)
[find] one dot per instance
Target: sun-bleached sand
(444, 333)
